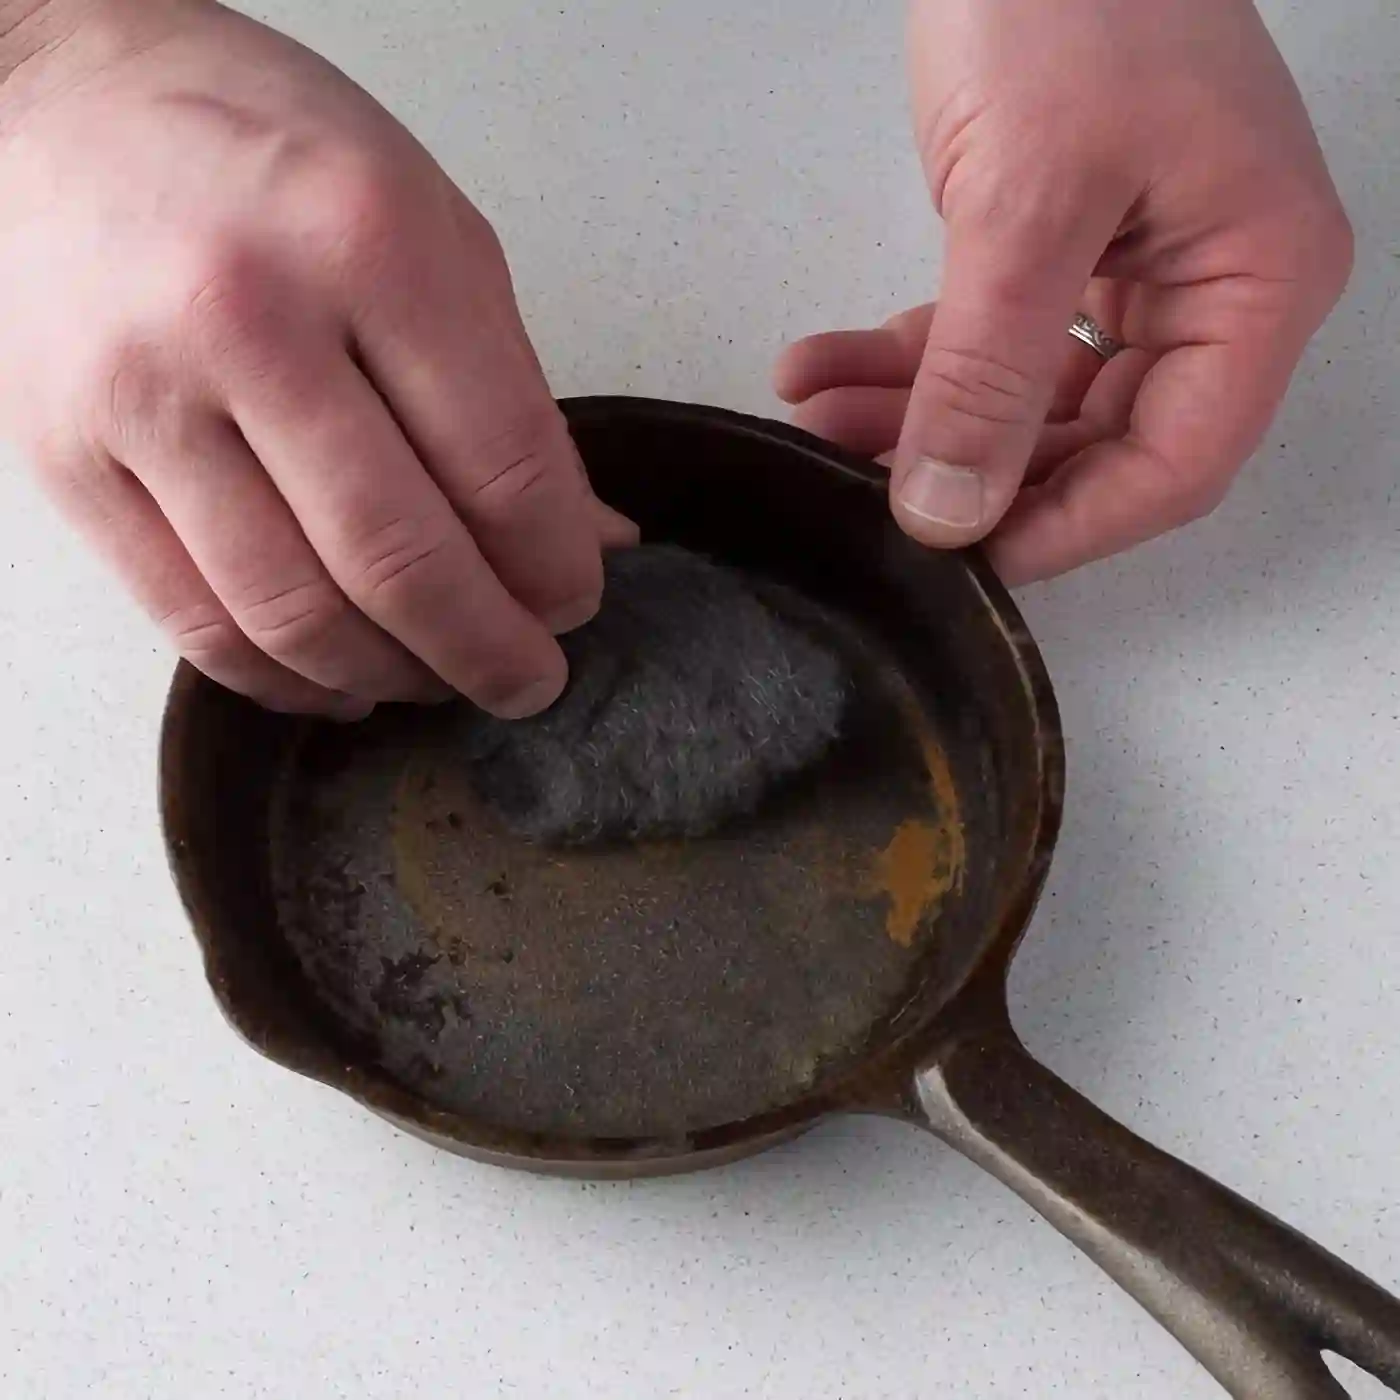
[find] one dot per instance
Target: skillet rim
(883, 1090)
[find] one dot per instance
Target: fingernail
(943, 494)
(538, 695)
(572, 615)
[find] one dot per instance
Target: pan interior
(649, 991)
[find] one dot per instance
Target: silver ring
(1088, 330)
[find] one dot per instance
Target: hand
(1161, 150)
(268, 357)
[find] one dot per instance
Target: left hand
(1152, 165)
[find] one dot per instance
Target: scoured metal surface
(638, 991)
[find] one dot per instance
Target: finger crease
(398, 563)
(286, 624)
(521, 481)
(196, 634)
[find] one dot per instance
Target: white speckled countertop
(1217, 961)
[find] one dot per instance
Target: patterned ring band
(1088, 330)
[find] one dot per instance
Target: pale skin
(267, 357)
(1151, 164)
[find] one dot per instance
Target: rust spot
(907, 872)
(953, 855)
(923, 860)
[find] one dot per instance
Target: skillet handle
(1254, 1301)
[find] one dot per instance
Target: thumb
(996, 346)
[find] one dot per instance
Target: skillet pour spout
(647, 1011)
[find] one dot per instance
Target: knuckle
(1334, 248)
(297, 621)
(1031, 194)
(392, 558)
(205, 636)
(359, 200)
(131, 393)
(134, 399)
(1315, 243)
(478, 235)
(82, 478)
(221, 296)
(515, 462)
(975, 385)
(1178, 495)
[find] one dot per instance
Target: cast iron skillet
(847, 952)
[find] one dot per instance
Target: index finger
(1201, 412)
(442, 340)
(386, 533)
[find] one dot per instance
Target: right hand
(268, 358)
(1151, 164)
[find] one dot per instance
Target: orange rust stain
(945, 797)
(907, 871)
(924, 859)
